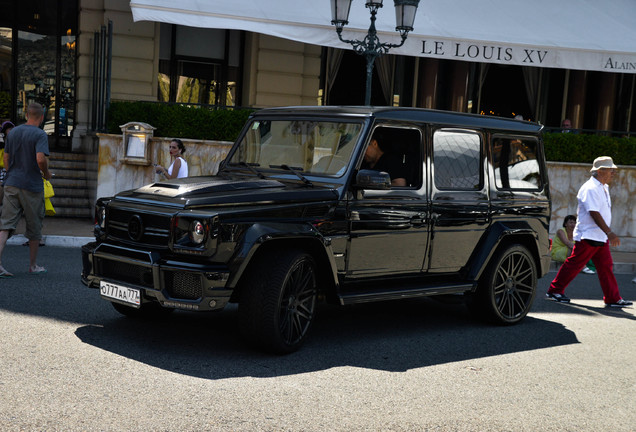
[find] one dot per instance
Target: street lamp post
(371, 47)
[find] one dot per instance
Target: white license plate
(123, 294)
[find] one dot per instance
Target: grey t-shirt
(22, 145)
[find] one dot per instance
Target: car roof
(450, 118)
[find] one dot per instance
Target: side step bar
(362, 296)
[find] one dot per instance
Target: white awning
(571, 34)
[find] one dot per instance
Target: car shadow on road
(392, 336)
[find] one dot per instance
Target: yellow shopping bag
(48, 207)
(48, 193)
(48, 189)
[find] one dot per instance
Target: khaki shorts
(18, 202)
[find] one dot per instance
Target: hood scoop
(194, 186)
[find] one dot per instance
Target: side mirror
(371, 179)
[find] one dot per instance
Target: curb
(53, 240)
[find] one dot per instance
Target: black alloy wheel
(278, 301)
(508, 287)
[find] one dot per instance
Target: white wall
(565, 181)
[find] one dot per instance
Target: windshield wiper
(299, 175)
(250, 167)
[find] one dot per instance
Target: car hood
(215, 190)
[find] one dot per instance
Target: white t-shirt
(592, 196)
(183, 169)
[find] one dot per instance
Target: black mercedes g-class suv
(297, 214)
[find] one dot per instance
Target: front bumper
(173, 283)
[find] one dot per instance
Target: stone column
(459, 85)
(576, 98)
(606, 101)
(427, 91)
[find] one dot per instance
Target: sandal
(5, 274)
(37, 270)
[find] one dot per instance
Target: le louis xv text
(481, 52)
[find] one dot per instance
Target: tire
(278, 301)
(507, 289)
(149, 310)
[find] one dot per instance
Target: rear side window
(515, 163)
(456, 156)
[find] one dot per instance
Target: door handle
(418, 220)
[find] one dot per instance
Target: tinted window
(515, 163)
(456, 156)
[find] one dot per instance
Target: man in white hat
(592, 237)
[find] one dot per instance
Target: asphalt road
(69, 362)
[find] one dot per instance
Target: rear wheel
(147, 310)
(508, 287)
(278, 301)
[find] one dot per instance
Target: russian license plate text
(121, 293)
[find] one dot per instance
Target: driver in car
(377, 158)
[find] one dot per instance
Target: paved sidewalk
(56, 231)
(74, 232)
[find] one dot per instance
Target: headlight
(197, 232)
(100, 212)
(101, 217)
(194, 233)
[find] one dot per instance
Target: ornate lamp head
(405, 15)
(340, 13)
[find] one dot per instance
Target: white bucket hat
(602, 162)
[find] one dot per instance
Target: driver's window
(396, 151)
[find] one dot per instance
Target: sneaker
(587, 270)
(621, 303)
(36, 269)
(634, 280)
(558, 297)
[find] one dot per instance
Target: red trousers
(581, 254)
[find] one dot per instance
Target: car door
(388, 228)
(459, 198)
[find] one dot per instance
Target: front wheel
(278, 301)
(507, 289)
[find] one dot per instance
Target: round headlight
(197, 232)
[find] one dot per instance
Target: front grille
(183, 285)
(155, 227)
(124, 272)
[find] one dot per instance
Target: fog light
(212, 303)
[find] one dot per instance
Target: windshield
(310, 147)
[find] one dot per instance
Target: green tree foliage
(5, 105)
(179, 121)
(567, 147)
